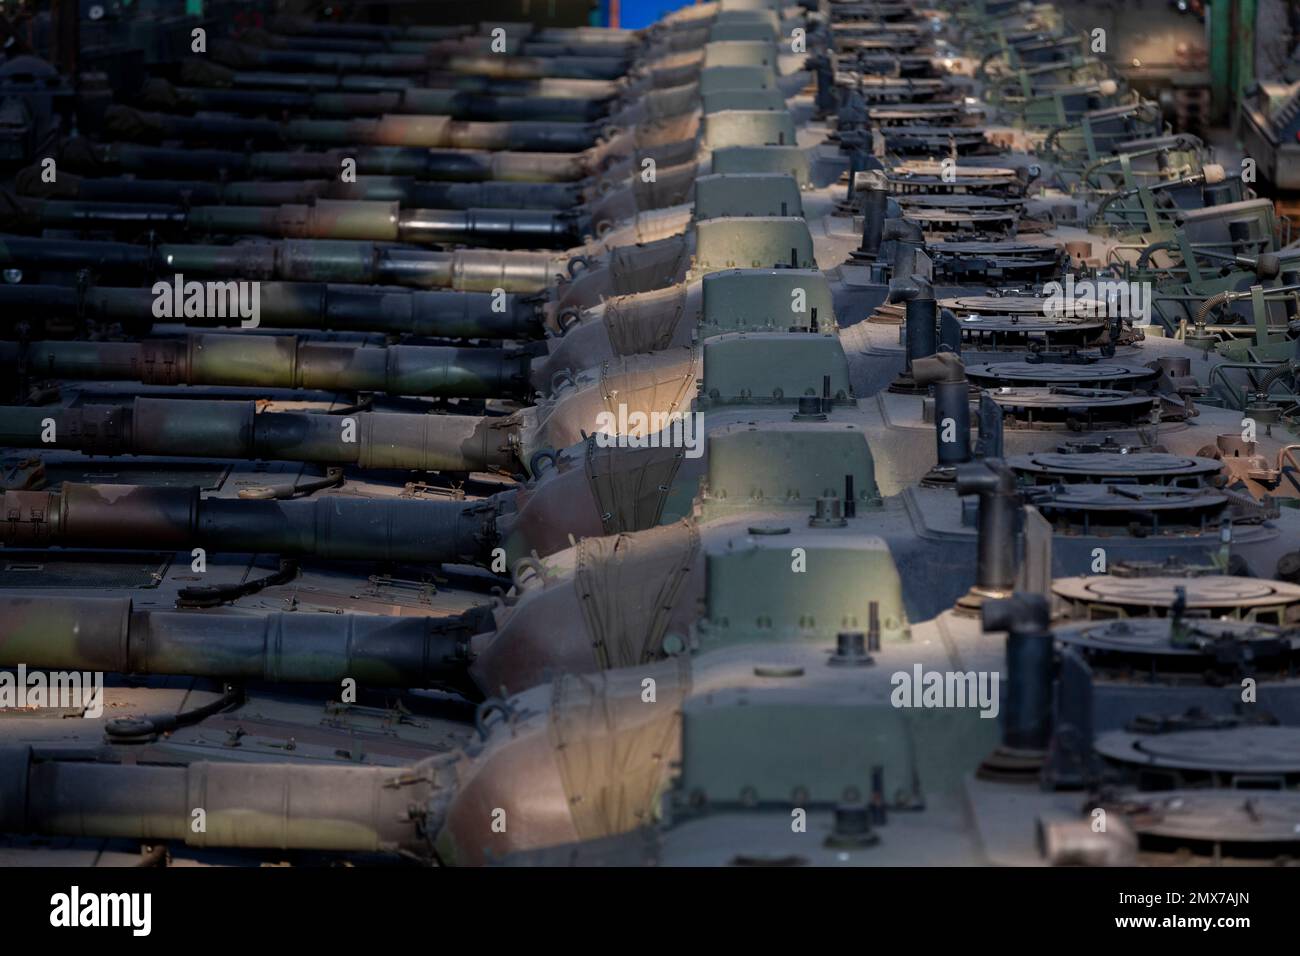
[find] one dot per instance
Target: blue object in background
(634, 14)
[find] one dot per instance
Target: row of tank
(879, 453)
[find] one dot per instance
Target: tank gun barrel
(110, 635)
(288, 25)
(210, 75)
(430, 132)
(322, 219)
(486, 63)
(519, 40)
(286, 361)
(457, 165)
(235, 430)
(333, 527)
(360, 263)
(405, 190)
(286, 806)
(458, 104)
(301, 305)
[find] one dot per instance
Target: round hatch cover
(1021, 305)
(1150, 639)
(916, 111)
(1221, 595)
(940, 133)
(1103, 498)
(1100, 466)
(969, 247)
(1019, 332)
(1099, 374)
(958, 213)
(1233, 750)
(959, 202)
(923, 167)
(1078, 407)
(1217, 816)
(914, 182)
